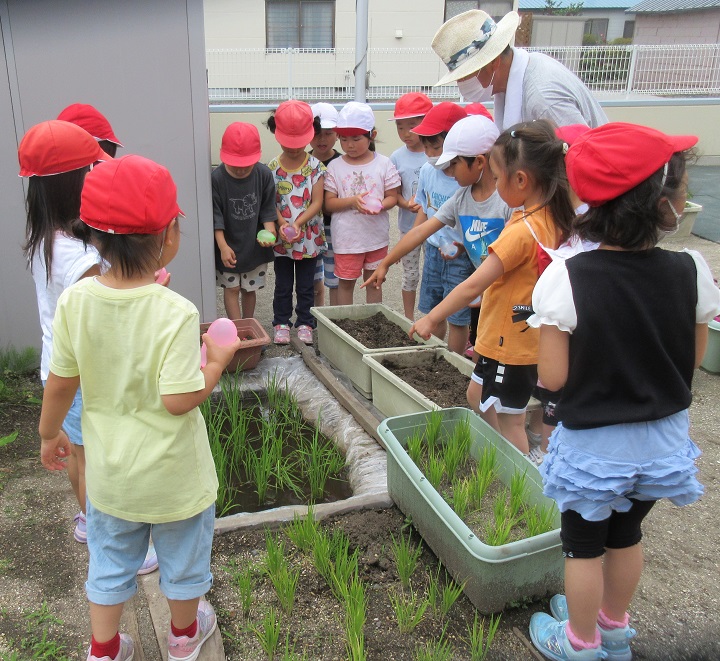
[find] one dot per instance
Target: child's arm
(57, 400)
(227, 254)
(701, 340)
(411, 205)
(553, 356)
(409, 242)
(391, 198)
(489, 271)
(218, 358)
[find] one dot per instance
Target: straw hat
(471, 40)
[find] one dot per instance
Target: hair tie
(566, 146)
(512, 134)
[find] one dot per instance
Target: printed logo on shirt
(244, 207)
(436, 200)
(478, 234)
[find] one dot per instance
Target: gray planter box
(493, 576)
(345, 353)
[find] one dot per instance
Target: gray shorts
(248, 281)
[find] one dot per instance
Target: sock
(580, 644)
(606, 623)
(110, 649)
(188, 631)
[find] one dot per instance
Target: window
(629, 30)
(300, 23)
(497, 9)
(598, 27)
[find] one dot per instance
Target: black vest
(632, 354)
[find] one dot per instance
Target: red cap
(54, 147)
(571, 132)
(414, 104)
(610, 160)
(240, 145)
(440, 119)
(478, 109)
(129, 195)
(294, 124)
(92, 120)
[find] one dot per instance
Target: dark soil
(435, 378)
(376, 332)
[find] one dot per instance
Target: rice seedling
(449, 594)
(409, 609)
(434, 469)
(484, 475)
(214, 420)
(275, 553)
(433, 591)
(243, 580)
(435, 650)
(322, 556)
(457, 448)
(540, 519)
(355, 616)
(303, 531)
(415, 447)
(268, 634)
(497, 532)
(432, 429)
(518, 492)
(289, 653)
(478, 640)
(406, 557)
(344, 568)
(462, 497)
(320, 461)
(285, 582)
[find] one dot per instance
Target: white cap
(471, 136)
(356, 116)
(326, 113)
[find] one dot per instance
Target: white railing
(256, 74)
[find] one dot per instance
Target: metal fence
(257, 74)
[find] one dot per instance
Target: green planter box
(494, 576)
(344, 352)
(711, 360)
(393, 396)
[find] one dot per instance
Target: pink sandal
(282, 334)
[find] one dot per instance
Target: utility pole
(361, 48)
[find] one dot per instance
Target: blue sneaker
(551, 640)
(616, 642)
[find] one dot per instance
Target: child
(323, 148)
(466, 219)
(95, 123)
(360, 187)
(134, 346)
(299, 198)
(410, 110)
(243, 192)
(56, 156)
(622, 328)
(527, 164)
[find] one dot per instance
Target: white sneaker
(536, 455)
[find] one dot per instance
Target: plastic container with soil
(711, 360)
(493, 576)
(254, 339)
(345, 353)
(393, 396)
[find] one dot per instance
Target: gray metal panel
(142, 64)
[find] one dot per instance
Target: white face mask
(432, 160)
(678, 220)
(473, 91)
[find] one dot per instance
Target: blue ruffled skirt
(596, 471)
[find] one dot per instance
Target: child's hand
(270, 242)
(423, 327)
(220, 354)
(55, 451)
(370, 206)
(413, 206)
(291, 228)
(460, 251)
(377, 278)
(227, 255)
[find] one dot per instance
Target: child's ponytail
(534, 148)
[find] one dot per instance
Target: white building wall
(688, 27)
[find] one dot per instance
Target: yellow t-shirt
(130, 346)
(499, 337)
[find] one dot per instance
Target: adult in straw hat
(524, 86)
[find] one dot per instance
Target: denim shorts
(117, 549)
(439, 278)
(71, 425)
